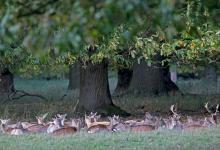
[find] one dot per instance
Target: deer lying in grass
(212, 120)
(117, 125)
(19, 130)
(141, 127)
(40, 120)
(5, 127)
(173, 122)
(64, 130)
(14, 129)
(94, 126)
(207, 122)
(39, 127)
(57, 126)
(150, 123)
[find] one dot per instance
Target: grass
(197, 139)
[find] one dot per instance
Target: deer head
(149, 119)
(76, 123)
(5, 121)
(62, 118)
(54, 125)
(94, 117)
(91, 118)
(114, 120)
(40, 119)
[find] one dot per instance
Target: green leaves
(122, 31)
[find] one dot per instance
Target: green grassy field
(206, 139)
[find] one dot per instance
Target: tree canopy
(40, 35)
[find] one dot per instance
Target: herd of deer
(92, 124)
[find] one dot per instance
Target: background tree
(145, 36)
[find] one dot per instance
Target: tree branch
(11, 96)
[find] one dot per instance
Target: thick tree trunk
(124, 79)
(94, 86)
(210, 80)
(151, 80)
(74, 76)
(6, 81)
(210, 73)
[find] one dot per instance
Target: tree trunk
(210, 73)
(74, 76)
(210, 80)
(94, 86)
(124, 79)
(6, 81)
(151, 80)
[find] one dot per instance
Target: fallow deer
(57, 128)
(191, 124)
(142, 128)
(40, 126)
(93, 126)
(212, 120)
(18, 130)
(62, 118)
(117, 125)
(173, 122)
(5, 128)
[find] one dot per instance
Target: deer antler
(217, 107)
(172, 110)
(207, 108)
(45, 115)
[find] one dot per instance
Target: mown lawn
(191, 140)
